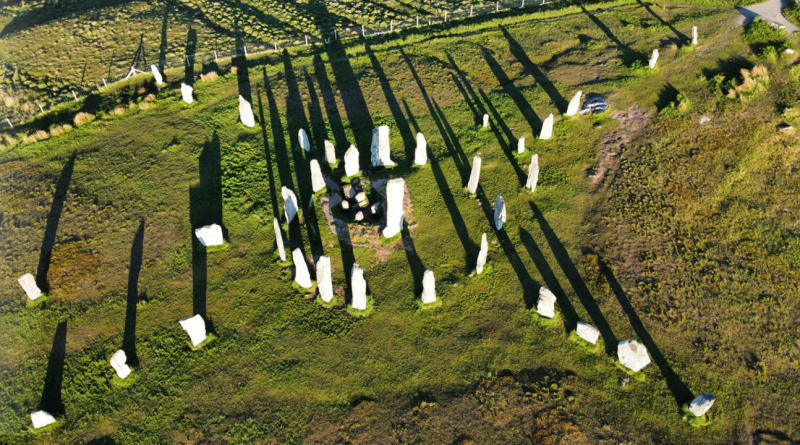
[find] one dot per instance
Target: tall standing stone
(545, 306)
(694, 35)
(359, 287)
(547, 128)
(428, 287)
(482, 255)
(186, 93)
(521, 145)
(41, 419)
(472, 185)
(351, 162)
(317, 182)
(279, 239)
(324, 283)
(196, 328)
(330, 152)
(210, 235)
(421, 153)
(381, 153)
(395, 216)
(119, 363)
(633, 355)
(574, 104)
(533, 173)
(499, 212)
(28, 283)
(302, 140)
(157, 75)
(301, 275)
(654, 59)
(289, 204)
(485, 120)
(246, 112)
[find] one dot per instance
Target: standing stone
(157, 75)
(330, 152)
(186, 93)
(499, 212)
(472, 185)
(521, 145)
(279, 239)
(547, 128)
(246, 113)
(428, 287)
(701, 404)
(41, 419)
(359, 286)
(324, 283)
(119, 363)
(351, 167)
(302, 139)
(421, 153)
(210, 235)
(196, 328)
(28, 283)
(381, 154)
(485, 120)
(317, 181)
(546, 305)
(301, 275)
(533, 173)
(633, 355)
(654, 59)
(395, 216)
(587, 332)
(574, 104)
(289, 204)
(694, 35)
(482, 255)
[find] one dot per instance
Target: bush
(792, 12)
(761, 31)
(82, 118)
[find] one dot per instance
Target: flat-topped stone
(482, 255)
(533, 173)
(475, 176)
(279, 239)
(246, 113)
(28, 283)
(574, 104)
(210, 235)
(633, 355)
(324, 283)
(428, 287)
(330, 152)
(301, 275)
(302, 140)
(359, 288)
(290, 207)
(196, 328)
(381, 152)
(119, 363)
(587, 332)
(499, 212)
(186, 93)
(421, 152)
(546, 306)
(395, 215)
(547, 128)
(701, 404)
(351, 162)
(317, 181)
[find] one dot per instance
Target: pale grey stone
(119, 363)
(694, 35)
(633, 355)
(359, 216)
(395, 215)
(374, 208)
(545, 306)
(594, 105)
(246, 113)
(196, 328)
(279, 239)
(533, 173)
(574, 104)
(359, 287)
(521, 145)
(547, 128)
(654, 59)
(485, 120)
(349, 191)
(210, 235)
(186, 93)
(28, 283)
(157, 75)
(324, 283)
(351, 166)
(421, 153)
(381, 153)
(475, 176)
(701, 404)
(587, 332)
(301, 275)
(499, 212)
(345, 205)
(482, 255)
(330, 152)
(290, 206)
(302, 140)
(361, 196)
(41, 419)
(704, 119)
(317, 181)
(428, 287)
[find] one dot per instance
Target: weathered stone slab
(475, 176)
(694, 35)
(302, 140)
(290, 207)
(701, 404)
(587, 332)
(381, 152)
(485, 120)
(633, 355)
(246, 113)
(351, 162)
(499, 212)
(28, 283)
(545, 306)
(119, 363)
(186, 93)
(330, 152)
(359, 288)
(317, 181)
(428, 287)
(594, 105)
(421, 152)
(157, 75)
(482, 255)
(533, 173)
(324, 281)
(41, 419)
(574, 104)
(395, 215)
(521, 145)
(547, 128)
(210, 235)
(279, 239)
(301, 275)
(196, 328)
(654, 59)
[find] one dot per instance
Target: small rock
(375, 208)
(784, 127)
(361, 196)
(789, 51)
(360, 216)
(704, 119)
(345, 205)
(594, 105)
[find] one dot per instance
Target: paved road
(771, 11)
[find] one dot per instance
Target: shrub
(208, 77)
(82, 118)
(677, 107)
(761, 31)
(792, 12)
(234, 69)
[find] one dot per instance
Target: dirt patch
(630, 124)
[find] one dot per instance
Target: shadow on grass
(129, 335)
(54, 378)
(240, 62)
(629, 56)
(509, 88)
(273, 191)
(348, 257)
(331, 108)
(682, 38)
(409, 140)
(667, 95)
(163, 46)
(191, 49)
(53, 218)
(414, 262)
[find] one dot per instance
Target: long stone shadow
(682, 38)
(513, 92)
(527, 64)
(414, 261)
(240, 62)
(273, 192)
(348, 256)
(331, 108)
(575, 280)
(163, 46)
(680, 392)
(129, 335)
(318, 131)
(191, 49)
(629, 55)
(53, 218)
(54, 378)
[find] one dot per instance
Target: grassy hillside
(645, 223)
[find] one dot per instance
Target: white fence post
(245, 50)
(417, 21)
(470, 10)
(445, 16)
(40, 108)
(391, 25)
(363, 34)
(9, 123)
(497, 7)
(306, 39)
(215, 55)
(74, 95)
(104, 82)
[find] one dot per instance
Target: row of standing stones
(631, 353)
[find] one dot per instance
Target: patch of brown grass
(82, 118)
(38, 135)
(58, 130)
(209, 76)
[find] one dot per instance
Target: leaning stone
(246, 113)
(482, 255)
(210, 235)
(324, 283)
(330, 152)
(186, 93)
(301, 275)
(654, 59)
(546, 304)
(395, 216)
(157, 75)
(381, 153)
(359, 287)
(547, 128)
(349, 192)
(499, 212)
(633, 355)
(119, 363)
(574, 104)
(428, 287)
(485, 120)
(421, 153)
(196, 328)
(289, 204)
(351, 167)
(317, 181)
(279, 239)
(521, 145)
(533, 173)
(359, 216)
(28, 283)
(694, 35)
(302, 139)
(472, 185)
(587, 332)
(701, 404)
(41, 419)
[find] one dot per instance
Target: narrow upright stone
(485, 120)
(246, 113)
(324, 283)
(157, 75)
(41, 419)
(654, 59)
(289, 204)
(499, 212)
(302, 139)
(428, 287)
(633, 355)
(196, 328)
(521, 145)
(482, 255)
(330, 152)
(119, 362)
(587, 332)
(359, 286)
(547, 128)
(421, 153)
(186, 93)
(381, 153)
(301, 275)
(701, 404)
(395, 216)
(533, 173)
(210, 235)
(279, 239)
(472, 185)
(351, 163)
(28, 283)
(317, 182)
(694, 35)
(546, 304)
(574, 104)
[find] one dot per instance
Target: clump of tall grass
(58, 130)
(36, 136)
(83, 118)
(209, 76)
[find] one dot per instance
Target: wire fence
(324, 37)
